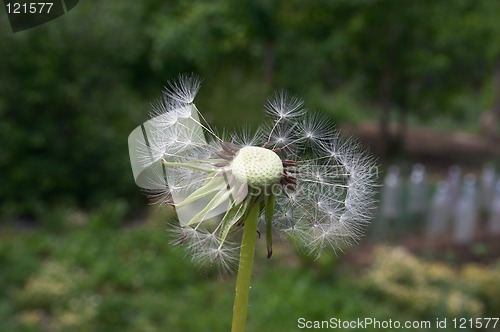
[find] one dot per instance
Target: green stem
(245, 269)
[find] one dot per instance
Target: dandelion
(296, 176)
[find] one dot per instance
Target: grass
(132, 279)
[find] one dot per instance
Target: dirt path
(431, 146)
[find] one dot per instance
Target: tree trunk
(268, 67)
(496, 94)
(489, 119)
(385, 102)
(399, 140)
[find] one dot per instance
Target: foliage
(70, 91)
(484, 284)
(68, 98)
(433, 288)
(133, 280)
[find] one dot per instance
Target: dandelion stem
(245, 269)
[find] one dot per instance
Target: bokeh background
(417, 82)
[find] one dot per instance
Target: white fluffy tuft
(184, 89)
(331, 202)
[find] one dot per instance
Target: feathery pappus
(311, 185)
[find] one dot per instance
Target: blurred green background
(81, 251)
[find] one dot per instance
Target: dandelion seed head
(323, 184)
